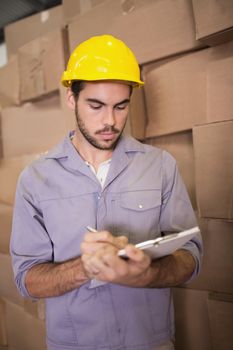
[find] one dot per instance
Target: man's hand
(100, 259)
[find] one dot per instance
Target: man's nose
(109, 117)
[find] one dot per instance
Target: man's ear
(70, 100)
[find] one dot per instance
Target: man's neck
(89, 153)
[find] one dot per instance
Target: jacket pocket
(137, 213)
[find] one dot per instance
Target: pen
(91, 229)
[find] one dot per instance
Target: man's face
(101, 112)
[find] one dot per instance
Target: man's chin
(105, 145)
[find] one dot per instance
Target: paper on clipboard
(166, 245)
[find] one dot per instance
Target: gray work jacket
(57, 197)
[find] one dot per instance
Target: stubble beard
(91, 139)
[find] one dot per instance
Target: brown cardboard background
(9, 83)
(41, 63)
(8, 289)
(5, 227)
(3, 336)
(33, 127)
(213, 145)
(20, 32)
(74, 8)
(172, 31)
(217, 268)
(220, 20)
(191, 317)
(180, 145)
(10, 168)
(178, 92)
(23, 330)
(221, 320)
(219, 88)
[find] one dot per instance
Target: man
(128, 192)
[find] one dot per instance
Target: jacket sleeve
(177, 213)
(30, 243)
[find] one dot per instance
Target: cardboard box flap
(220, 19)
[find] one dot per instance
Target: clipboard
(158, 247)
(162, 246)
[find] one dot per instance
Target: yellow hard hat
(102, 58)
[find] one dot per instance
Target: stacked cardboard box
(152, 29)
(190, 114)
(21, 32)
(32, 121)
(188, 82)
(185, 108)
(219, 26)
(28, 331)
(40, 125)
(10, 169)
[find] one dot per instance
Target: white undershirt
(102, 171)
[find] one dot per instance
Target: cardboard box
(191, 319)
(41, 63)
(182, 92)
(219, 88)
(21, 32)
(24, 331)
(216, 274)
(152, 29)
(74, 8)
(9, 83)
(3, 336)
(8, 289)
(180, 145)
(68, 114)
(5, 227)
(136, 123)
(220, 310)
(10, 168)
(33, 127)
(219, 26)
(213, 144)
(137, 114)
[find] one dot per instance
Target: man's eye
(95, 106)
(121, 107)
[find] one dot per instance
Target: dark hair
(78, 85)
